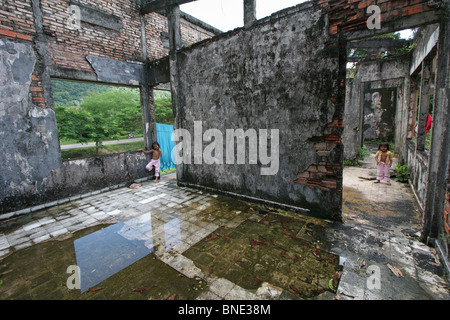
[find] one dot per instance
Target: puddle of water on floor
(285, 249)
(247, 243)
(104, 253)
(40, 271)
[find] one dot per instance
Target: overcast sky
(227, 15)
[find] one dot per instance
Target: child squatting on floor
(384, 162)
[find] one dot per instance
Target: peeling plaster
(17, 61)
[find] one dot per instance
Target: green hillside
(71, 93)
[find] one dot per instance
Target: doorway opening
(376, 111)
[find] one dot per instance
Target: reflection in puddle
(172, 233)
(105, 252)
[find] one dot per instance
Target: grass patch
(402, 173)
(362, 154)
(167, 171)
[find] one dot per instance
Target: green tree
(122, 105)
(106, 115)
(71, 93)
(80, 125)
(163, 110)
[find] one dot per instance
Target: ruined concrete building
(284, 72)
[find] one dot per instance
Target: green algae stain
(268, 247)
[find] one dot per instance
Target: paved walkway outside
(183, 243)
(92, 144)
(380, 236)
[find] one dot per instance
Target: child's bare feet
(377, 181)
(388, 183)
(156, 180)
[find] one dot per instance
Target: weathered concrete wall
(418, 166)
(115, 30)
(435, 228)
(418, 159)
(379, 113)
(28, 134)
(32, 171)
(283, 73)
(425, 45)
(108, 43)
(76, 177)
(351, 135)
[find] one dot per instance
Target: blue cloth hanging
(164, 133)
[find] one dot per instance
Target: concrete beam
(115, 71)
(379, 44)
(156, 5)
(425, 82)
(158, 72)
(417, 20)
(424, 50)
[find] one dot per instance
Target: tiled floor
(182, 235)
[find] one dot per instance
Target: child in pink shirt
(384, 162)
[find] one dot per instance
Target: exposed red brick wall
(68, 47)
(190, 35)
(37, 91)
(157, 24)
(14, 35)
(324, 174)
(17, 16)
(347, 15)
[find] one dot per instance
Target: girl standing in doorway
(384, 162)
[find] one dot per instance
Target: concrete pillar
(173, 16)
(401, 133)
(438, 163)
(425, 83)
(147, 101)
(148, 115)
(249, 12)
